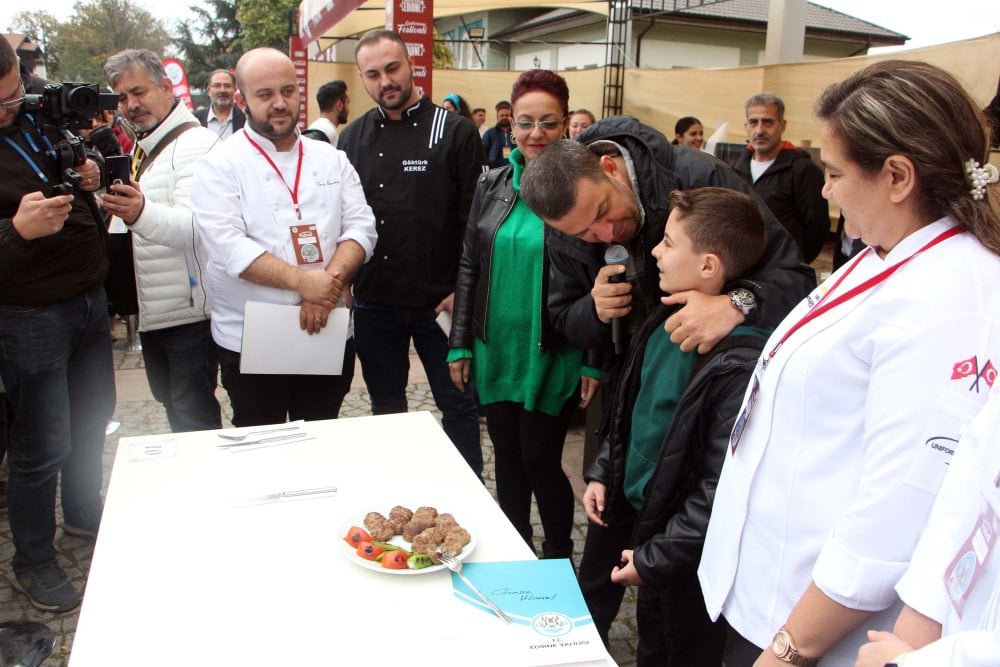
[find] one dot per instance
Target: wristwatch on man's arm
(783, 647)
(744, 301)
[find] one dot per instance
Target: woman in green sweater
(526, 375)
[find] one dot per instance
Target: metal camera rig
(64, 107)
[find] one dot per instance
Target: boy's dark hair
(329, 94)
(478, 109)
(723, 222)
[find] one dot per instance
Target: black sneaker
(48, 588)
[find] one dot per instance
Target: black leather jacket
(779, 280)
(792, 188)
(494, 200)
(670, 529)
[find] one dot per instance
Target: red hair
(545, 81)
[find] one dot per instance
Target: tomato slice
(369, 551)
(356, 535)
(394, 560)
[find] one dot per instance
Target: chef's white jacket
(956, 564)
(244, 209)
(853, 428)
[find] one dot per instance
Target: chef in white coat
(952, 587)
(851, 419)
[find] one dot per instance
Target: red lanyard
(823, 306)
(293, 192)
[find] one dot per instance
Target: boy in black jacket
(668, 430)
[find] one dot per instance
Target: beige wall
(715, 96)
(659, 98)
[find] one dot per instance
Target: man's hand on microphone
(702, 322)
(611, 299)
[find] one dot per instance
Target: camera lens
(82, 101)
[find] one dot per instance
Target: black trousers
(602, 551)
(527, 454)
(675, 629)
(743, 652)
(274, 399)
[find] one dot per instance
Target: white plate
(351, 553)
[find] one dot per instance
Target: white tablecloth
(184, 576)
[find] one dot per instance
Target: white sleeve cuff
(854, 581)
(243, 255)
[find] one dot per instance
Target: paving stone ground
(139, 414)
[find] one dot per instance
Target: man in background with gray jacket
(174, 326)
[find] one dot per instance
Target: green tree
(443, 58)
(265, 23)
(99, 29)
(210, 40)
(42, 28)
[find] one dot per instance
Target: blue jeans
(55, 362)
(182, 371)
(382, 335)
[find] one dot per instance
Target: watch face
(780, 645)
(744, 298)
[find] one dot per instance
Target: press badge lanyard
(34, 146)
(293, 192)
(823, 306)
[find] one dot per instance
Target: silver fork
(244, 436)
(455, 566)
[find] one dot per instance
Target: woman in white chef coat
(852, 416)
(952, 587)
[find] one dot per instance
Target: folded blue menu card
(543, 599)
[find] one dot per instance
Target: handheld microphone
(617, 254)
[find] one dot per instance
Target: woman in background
(688, 131)
(579, 121)
(456, 104)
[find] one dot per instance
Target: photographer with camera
(56, 362)
(177, 347)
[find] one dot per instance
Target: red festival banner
(299, 54)
(414, 21)
(178, 77)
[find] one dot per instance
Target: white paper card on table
(552, 625)
(148, 450)
(273, 343)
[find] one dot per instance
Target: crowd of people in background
(789, 473)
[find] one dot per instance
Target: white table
(183, 575)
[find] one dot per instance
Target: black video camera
(65, 107)
(70, 105)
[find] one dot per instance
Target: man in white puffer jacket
(174, 326)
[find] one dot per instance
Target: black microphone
(617, 254)
(105, 140)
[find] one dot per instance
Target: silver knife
(261, 441)
(294, 494)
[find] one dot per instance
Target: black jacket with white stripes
(419, 174)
